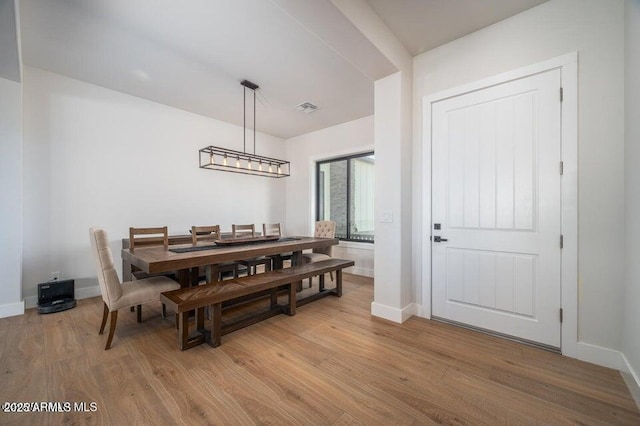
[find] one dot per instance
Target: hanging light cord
(244, 120)
(254, 122)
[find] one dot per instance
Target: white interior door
(497, 203)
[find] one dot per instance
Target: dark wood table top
(154, 260)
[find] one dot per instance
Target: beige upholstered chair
(323, 229)
(211, 233)
(116, 295)
(248, 231)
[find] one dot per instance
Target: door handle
(438, 239)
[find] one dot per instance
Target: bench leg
(339, 283)
(292, 300)
(216, 324)
(274, 298)
(183, 330)
(184, 342)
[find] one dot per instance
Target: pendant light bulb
(212, 161)
(249, 164)
(260, 165)
(225, 162)
(238, 162)
(270, 168)
(279, 170)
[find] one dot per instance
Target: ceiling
(421, 25)
(193, 54)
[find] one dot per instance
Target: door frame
(568, 65)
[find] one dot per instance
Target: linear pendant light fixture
(229, 160)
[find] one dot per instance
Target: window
(345, 195)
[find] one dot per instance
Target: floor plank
(332, 363)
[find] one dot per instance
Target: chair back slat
(243, 231)
(204, 233)
(160, 238)
(269, 229)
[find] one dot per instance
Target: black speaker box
(56, 296)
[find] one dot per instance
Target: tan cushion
(314, 257)
(143, 291)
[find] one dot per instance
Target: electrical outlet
(55, 276)
(386, 217)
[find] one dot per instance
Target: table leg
(216, 324)
(277, 262)
(296, 258)
(339, 282)
(184, 278)
(126, 270)
(292, 300)
(213, 274)
(321, 282)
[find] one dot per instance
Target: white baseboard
(598, 355)
(81, 293)
(393, 314)
(11, 309)
(355, 270)
(87, 292)
(631, 378)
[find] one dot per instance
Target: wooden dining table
(181, 258)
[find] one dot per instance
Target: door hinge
(561, 315)
(562, 167)
(561, 94)
(561, 241)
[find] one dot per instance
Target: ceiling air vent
(307, 107)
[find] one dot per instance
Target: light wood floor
(330, 364)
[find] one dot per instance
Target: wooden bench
(215, 294)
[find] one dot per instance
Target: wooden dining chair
(117, 295)
(271, 229)
(248, 231)
(148, 237)
(274, 229)
(243, 231)
(323, 229)
(211, 233)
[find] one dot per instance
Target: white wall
(94, 156)
(593, 28)
(303, 151)
(393, 137)
(11, 205)
(631, 330)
